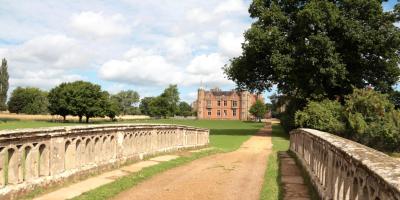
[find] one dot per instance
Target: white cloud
(177, 48)
(207, 70)
(54, 51)
(231, 6)
(199, 15)
(99, 25)
(206, 64)
(230, 45)
(141, 68)
(45, 61)
(45, 79)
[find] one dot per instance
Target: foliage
(80, 99)
(258, 109)
(113, 108)
(171, 98)
(372, 120)
(184, 109)
(28, 100)
(318, 49)
(127, 100)
(367, 117)
(394, 97)
(165, 105)
(3, 84)
(325, 115)
(144, 105)
(159, 107)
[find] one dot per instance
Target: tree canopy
(28, 101)
(318, 49)
(184, 109)
(127, 100)
(165, 105)
(258, 109)
(3, 84)
(80, 99)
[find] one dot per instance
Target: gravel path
(234, 175)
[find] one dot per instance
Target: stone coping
(379, 164)
(62, 130)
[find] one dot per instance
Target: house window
(225, 103)
(218, 113)
(218, 103)
(225, 112)
(208, 103)
(234, 112)
(209, 112)
(234, 103)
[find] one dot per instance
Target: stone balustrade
(40, 157)
(343, 169)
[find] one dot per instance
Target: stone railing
(39, 157)
(343, 169)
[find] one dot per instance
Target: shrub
(28, 100)
(367, 117)
(326, 116)
(372, 120)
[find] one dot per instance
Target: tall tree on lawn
(3, 84)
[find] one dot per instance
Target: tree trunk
(87, 119)
(64, 118)
(80, 118)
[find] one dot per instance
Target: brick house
(224, 105)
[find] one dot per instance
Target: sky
(126, 44)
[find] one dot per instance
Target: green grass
(15, 124)
(271, 189)
(225, 136)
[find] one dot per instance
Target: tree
(171, 98)
(80, 99)
(184, 109)
(159, 107)
(127, 100)
(60, 100)
(113, 107)
(312, 50)
(258, 110)
(145, 105)
(28, 100)
(3, 84)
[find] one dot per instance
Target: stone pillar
(3, 154)
(57, 147)
(119, 144)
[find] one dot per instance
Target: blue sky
(126, 44)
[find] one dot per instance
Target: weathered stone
(343, 169)
(39, 157)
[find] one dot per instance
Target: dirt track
(235, 175)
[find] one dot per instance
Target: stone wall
(343, 169)
(42, 157)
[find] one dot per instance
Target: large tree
(28, 100)
(319, 49)
(3, 84)
(170, 96)
(185, 109)
(80, 99)
(145, 105)
(127, 100)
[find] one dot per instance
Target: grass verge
(272, 189)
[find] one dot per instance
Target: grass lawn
(271, 189)
(225, 136)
